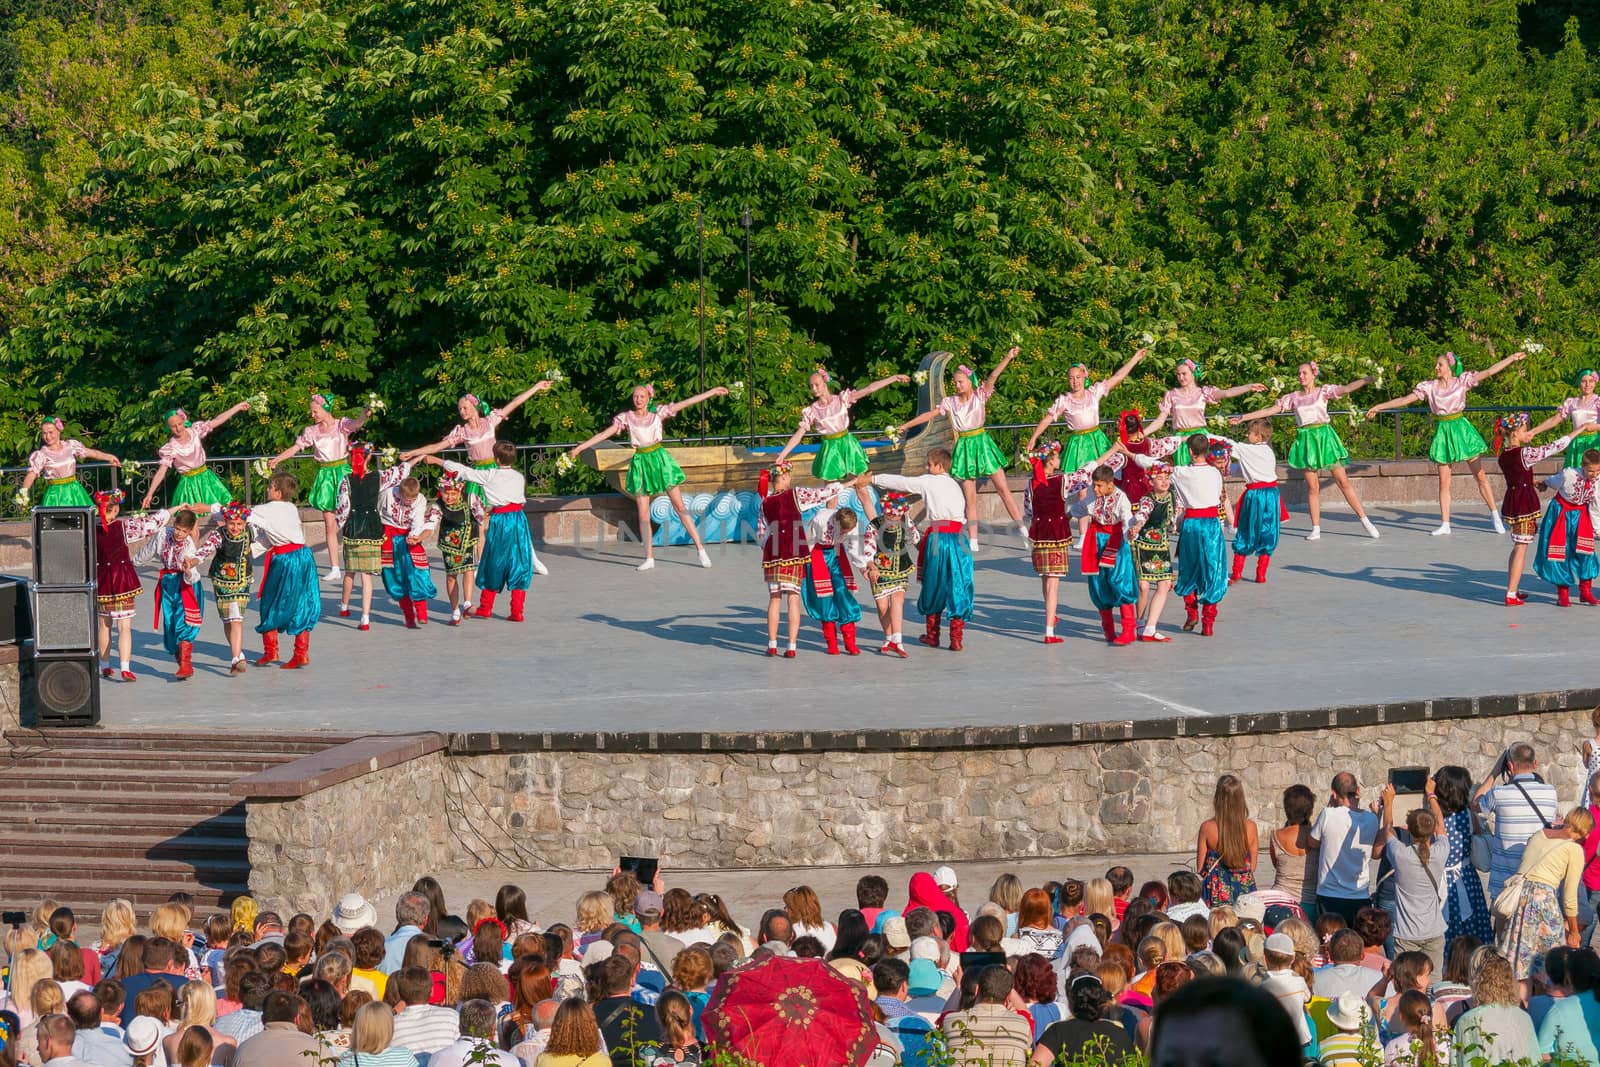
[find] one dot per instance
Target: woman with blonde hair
(372, 1040)
(193, 1046)
(1225, 849)
(41, 918)
(1099, 898)
(44, 999)
(1221, 918)
(596, 911)
(1007, 893)
(171, 921)
(243, 912)
(574, 1038)
(1496, 1029)
(805, 916)
(28, 968)
(197, 1010)
(1552, 864)
(117, 923)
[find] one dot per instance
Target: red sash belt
(1202, 513)
(418, 554)
(266, 564)
(1093, 557)
(508, 509)
(191, 603)
(1283, 509)
(1557, 550)
(933, 528)
(821, 580)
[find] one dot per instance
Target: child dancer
(361, 526)
(290, 600)
(1186, 405)
(456, 516)
(180, 599)
(1202, 552)
(116, 582)
(1317, 446)
(476, 433)
(653, 471)
(229, 549)
(1566, 556)
(840, 454)
(976, 455)
(1520, 508)
(57, 462)
(405, 561)
(1454, 438)
(1106, 559)
(891, 567)
(185, 450)
(944, 565)
(1049, 528)
(1155, 525)
(1584, 411)
(1081, 406)
(507, 561)
(1130, 431)
(329, 441)
(1260, 513)
(781, 533)
(829, 589)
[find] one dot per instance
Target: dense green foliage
(426, 197)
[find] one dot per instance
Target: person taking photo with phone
(1522, 804)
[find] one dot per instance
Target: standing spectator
(419, 1026)
(1294, 859)
(1522, 805)
(1226, 847)
(476, 1043)
(191, 1048)
(1551, 864)
(1570, 1026)
(1418, 855)
(574, 1038)
(411, 912)
(1591, 868)
(1466, 912)
(989, 1033)
(1346, 837)
(29, 967)
(1496, 1027)
(285, 1037)
(372, 1040)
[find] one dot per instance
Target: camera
(13, 918)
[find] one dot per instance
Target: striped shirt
(426, 1028)
(1515, 821)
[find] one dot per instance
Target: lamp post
(749, 341)
(700, 227)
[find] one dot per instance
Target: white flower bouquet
(389, 456)
(21, 499)
(375, 403)
(565, 463)
(893, 434)
(919, 376)
(736, 390)
(1532, 347)
(554, 375)
(257, 401)
(261, 469)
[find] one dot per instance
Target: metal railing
(1395, 435)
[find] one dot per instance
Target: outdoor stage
(1343, 621)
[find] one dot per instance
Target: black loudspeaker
(63, 546)
(63, 618)
(61, 690)
(16, 624)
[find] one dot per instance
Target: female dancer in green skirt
(1454, 438)
(1584, 411)
(1317, 447)
(1081, 406)
(329, 441)
(840, 455)
(57, 463)
(975, 455)
(197, 483)
(652, 471)
(1186, 405)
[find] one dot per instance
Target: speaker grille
(63, 619)
(64, 692)
(61, 548)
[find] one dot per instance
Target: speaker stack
(64, 687)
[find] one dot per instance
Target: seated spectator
(410, 913)
(91, 1043)
(1351, 1023)
(680, 1045)
(1411, 971)
(1550, 982)
(805, 912)
(1569, 1029)
(197, 1007)
(420, 1027)
(536, 1035)
(193, 1048)
(1496, 1026)
(476, 1043)
(1035, 983)
(989, 1034)
(285, 1037)
(912, 1031)
(626, 1024)
(1170, 977)
(1415, 1040)
(372, 1040)
(162, 963)
(872, 894)
(1374, 925)
(574, 1039)
(1089, 1031)
(1036, 930)
(246, 1022)
(1283, 983)
(1453, 994)
(1345, 973)
(1184, 889)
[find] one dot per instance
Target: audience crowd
(1446, 927)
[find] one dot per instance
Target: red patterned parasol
(782, 1012)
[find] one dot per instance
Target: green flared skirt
(975, 456)
(325, 490)
(472, 489)
(65, 493)
(1579, 446)
(1317, 448)
(652, 471)
(839, 456)
(201, 486)
(1455, 440)
(1083, 447)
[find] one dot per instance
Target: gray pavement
(1345, 620)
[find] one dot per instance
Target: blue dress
(1465, 909)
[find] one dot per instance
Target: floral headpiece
(1315, 368)
(1088, 379)
(1587, 372)
(765, 479)
(182, 414)
(964, 369)
(451, 480)
(1219, 449)
(323, 399)
(1455, 362)
(896, 504)
(826, 377)
(105, 500)
(1046, 450)
(1199, 371)
(1159, 468)
(52, 420)
(8, 1028)
(236, 510)
(481, 923)
(481, 406)
(650, 391)
(1509, 424)
(1124, 418)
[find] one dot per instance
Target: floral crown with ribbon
(324, 400)
(1046, 450)
(1509, 424)
(236, 510)
(1198, 371)
(451, 480)
(480, 406)
(53, 420)
(896, 504)
(107, 499)
(182, 414)
(1160, 467)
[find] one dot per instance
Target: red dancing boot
(1108, 625)
(185, 660)
(1209, 616)
(519, 599)
(485, 605)
(302, 646)
(1563, 596)
(1238, 568)
(1191, 607)
(931, 638)
(1586, 592)
(848, 632)
(409, 612)
(1130, 627)
(958, 630)
(421, 607)
(830, 634)
(1261, 567)
(269, 648)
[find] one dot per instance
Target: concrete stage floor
(1345, 620)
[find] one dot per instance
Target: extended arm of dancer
(1240, 390)
(698, 398)
(523, 397)
(1389, 405)
(881, 383)
(1548, 424)
(1126, 369)
(1496, 368)
(611, 430)
(994, 375)
(243, 405)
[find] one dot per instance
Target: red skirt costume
(116, 582)
(1521, 507)
(1051, 529)
(784, 555)
(1134, 480)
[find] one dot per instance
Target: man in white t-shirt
(476, 1043)
(1347, 837)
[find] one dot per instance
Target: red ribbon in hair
(1557, 552)
(1122, 422)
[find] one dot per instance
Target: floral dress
(1465, 910)
(1224, 885)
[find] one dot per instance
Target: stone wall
(10, 692)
